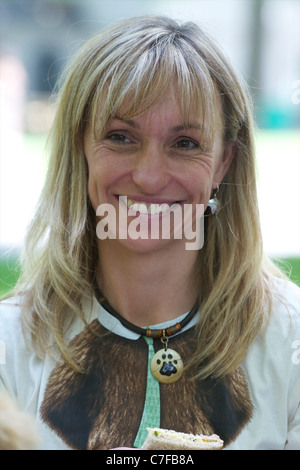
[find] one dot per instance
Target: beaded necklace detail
(166, 365)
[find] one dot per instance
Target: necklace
(166, 365)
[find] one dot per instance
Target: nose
(150, 172)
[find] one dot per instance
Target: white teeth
(154, 209)
(144, 208)
(163, 207)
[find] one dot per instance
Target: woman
(130, 326)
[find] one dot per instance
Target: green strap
(151, 413)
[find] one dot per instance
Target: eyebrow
(178, 128)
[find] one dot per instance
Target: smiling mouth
(150, 208)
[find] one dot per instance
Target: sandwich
(164, 439)
(18, 430)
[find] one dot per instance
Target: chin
(148, 246)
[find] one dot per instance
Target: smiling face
(152, 162)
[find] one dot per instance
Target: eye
(118, 138)
(186, 144)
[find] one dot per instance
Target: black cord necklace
(166, 364)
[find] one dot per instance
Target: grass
(291, 267)
(10, 271)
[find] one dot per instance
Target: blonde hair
(127, 68)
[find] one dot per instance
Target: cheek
(200, 186)
(102, 178)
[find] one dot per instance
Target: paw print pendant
(166, 366)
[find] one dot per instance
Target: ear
(224, 163)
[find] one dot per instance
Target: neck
(148, 288)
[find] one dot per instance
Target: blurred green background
(10, 270)
(261, 38)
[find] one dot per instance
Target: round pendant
(166, 366)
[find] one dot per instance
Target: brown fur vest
(102, 408)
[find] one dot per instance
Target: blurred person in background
(106, 336)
